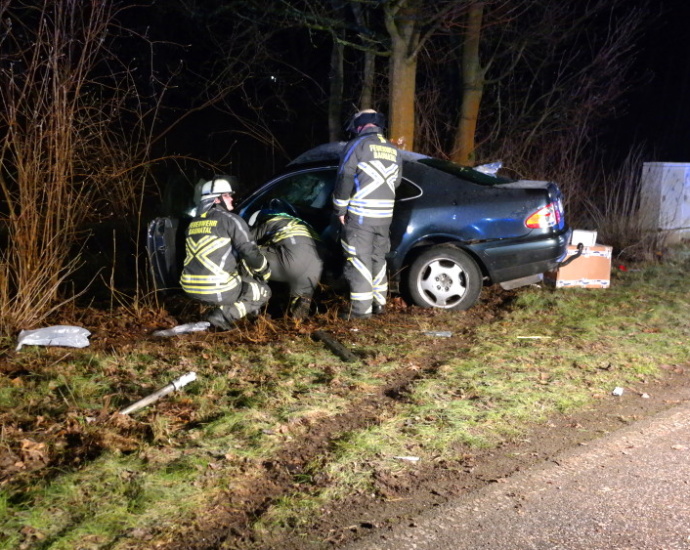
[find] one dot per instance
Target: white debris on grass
(58, 335)
(183, 329)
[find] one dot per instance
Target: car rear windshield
(464, 172)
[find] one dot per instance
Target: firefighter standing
(223, 265)
(294, 254)
(363, 198)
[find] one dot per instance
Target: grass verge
(276, 429)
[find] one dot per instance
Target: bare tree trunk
(473, 86)
(402, 25)
(403, 84)
(335, 98)
(366, 97)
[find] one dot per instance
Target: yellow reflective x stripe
(348, 249)
(379, 175)
(378, 278)
(359, 266)
(201, 249)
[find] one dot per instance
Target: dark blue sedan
(455, 229)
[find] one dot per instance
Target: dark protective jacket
(370, 171)
(284, 231)
(293, 249)
(217, 241)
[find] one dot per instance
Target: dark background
(658, 114)
(653, 115)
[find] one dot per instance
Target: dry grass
(47, 183)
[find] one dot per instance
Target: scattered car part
(182, 329)
(155, 396)
(439, 333)
(522, 281)
(335, 346)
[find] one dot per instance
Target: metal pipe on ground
(155, 396)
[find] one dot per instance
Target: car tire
(444, 277)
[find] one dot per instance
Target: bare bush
(613, 208)
(72, 130)
(566, 71)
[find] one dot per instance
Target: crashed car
(455, 229)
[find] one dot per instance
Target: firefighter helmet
(219, 185)
(368, 116)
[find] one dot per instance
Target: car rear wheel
(444, 277)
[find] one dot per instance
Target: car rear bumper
(508, 262)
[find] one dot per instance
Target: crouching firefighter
(223, 266)
(294, 253)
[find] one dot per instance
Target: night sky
(659, 109)
(654, 113)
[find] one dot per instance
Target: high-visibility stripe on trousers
(245, 299)
(365, 249)
(252, 298)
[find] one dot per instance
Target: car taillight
(548, 216)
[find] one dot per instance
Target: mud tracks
(298, 468)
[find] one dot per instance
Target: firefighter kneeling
(223, 265)
(294, 252)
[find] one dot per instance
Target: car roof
(331, 152)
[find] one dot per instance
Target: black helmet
(368, 116)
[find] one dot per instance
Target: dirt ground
(400, 497)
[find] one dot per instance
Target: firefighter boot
(218, 320)
(299, 307)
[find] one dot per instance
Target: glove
(263, 274)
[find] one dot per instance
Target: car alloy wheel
(444, 277)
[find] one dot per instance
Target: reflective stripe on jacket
(279, 227)
(215, 241)
(369, 172)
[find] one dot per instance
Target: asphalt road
(627, 490)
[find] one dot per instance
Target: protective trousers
(243, 300)
(365, 249)
(299, 266)
(253, 296)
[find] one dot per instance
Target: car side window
(306, 189)
(407, 190)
